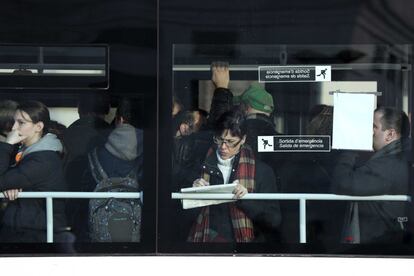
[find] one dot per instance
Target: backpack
(114, 219)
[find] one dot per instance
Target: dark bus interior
(57, 52)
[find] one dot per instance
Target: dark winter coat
(222, 101)
(39, 170)
(311, 173)
(83, 135)
(258, 125)
(385, 173)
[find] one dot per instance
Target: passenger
(184, 144)
(200, 141)
(255, 102)
(122, 153)
(86, 133)
(231, 160)
(258, 106)
(124, 148)
(7, 112)
(38, 168)
(186, 125)
(385, 173)
(190, 151)
(121, 160)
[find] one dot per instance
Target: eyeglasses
(229, 143)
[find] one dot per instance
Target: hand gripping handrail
(49, 196)
(301, 197)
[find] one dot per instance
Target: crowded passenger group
(38, 154)
(221, 147)
(209, 148)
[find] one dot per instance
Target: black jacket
(37, 171)
(385, 173)
(258, 125)
(83, 135)
(221, 102)
(311, 173)
(265, 214)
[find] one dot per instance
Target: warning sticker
(318, 73)
(294, 143)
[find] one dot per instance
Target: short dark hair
(130, 110)
(93, 104)
(7, 111)
(187, 118)
(234, 121)
(394, 119)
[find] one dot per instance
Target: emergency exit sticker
(318, 73)
(294, 143)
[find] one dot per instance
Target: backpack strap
(133, 173)
(97, 171)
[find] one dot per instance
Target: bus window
(310, 121)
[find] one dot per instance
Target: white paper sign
(353, 121)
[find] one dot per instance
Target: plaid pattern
(242, 225)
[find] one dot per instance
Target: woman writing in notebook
(231, 160)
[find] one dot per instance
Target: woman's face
(228, 145)
(26, 128)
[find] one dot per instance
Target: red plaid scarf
(242, 225)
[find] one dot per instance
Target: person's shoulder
(89, 122)
(49, 156)
(6, 146)
(260, 122)
(43, 162)
(262, 168)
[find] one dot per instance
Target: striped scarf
(242, 225)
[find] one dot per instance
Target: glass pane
(302, 116)
(42, 66)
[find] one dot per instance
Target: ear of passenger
(391, 135)
(39, 127)
(243, 140)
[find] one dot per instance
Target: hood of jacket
(125, 142)
(49, 142)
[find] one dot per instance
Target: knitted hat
(258, 98)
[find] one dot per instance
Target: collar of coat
(396, 147)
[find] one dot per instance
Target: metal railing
(301, 197)
(49, 196)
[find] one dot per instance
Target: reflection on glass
(302, 112)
